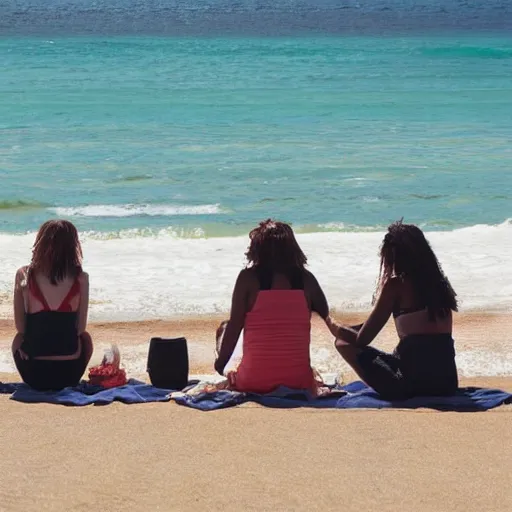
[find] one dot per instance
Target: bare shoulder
(392, 288)
(21, 275)
(315, 295)
(83, 278)
(309, 276)
(22, 270)
(247, 277)
(310, 281)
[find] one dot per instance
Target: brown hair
(57, 252)
(273, 246)
(405, 252)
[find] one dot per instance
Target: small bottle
(112, 356)
(108, 357)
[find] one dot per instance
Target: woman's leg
(75, 369)
(27, 368)
(379, 370)
(16, 343)
(68, 373)
(87, 347)
(44, 374)
(350, 354)
(24, 367)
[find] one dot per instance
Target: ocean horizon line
(261, 18)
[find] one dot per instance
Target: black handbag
(168, 363)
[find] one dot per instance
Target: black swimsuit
(51, 333)
(421, 365)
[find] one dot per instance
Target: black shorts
(422, 365)
(45, 375)
(381, 371)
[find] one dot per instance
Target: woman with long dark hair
(51, 298)
(413, 288)
(272, 302)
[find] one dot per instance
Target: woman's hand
(22, 355)
(16, 346)
(231, 376)
(333, 326)
(348, 335)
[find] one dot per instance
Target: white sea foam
(341, 226)
(162, 275)
(132, 210)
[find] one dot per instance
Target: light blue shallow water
(211, 135)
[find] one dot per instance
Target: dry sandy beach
(166, 457)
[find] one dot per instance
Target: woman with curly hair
(272, 302)
(413, 288)
(51, 298)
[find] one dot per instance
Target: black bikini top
(406, 311)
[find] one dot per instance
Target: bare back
(54, 294)
(412, 317)
(26, 302)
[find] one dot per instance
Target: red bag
(108, 374)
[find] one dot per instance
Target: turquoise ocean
(205, 136)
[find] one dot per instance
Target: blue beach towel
(353, 396)
(135, 392)
(8, 387)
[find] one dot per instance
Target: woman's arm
(318, 302)
(377, 319)
(83, 307)
(236, 321)
(320, 305)
(19, 299)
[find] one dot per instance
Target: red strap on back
(65, 306)
(36, 292)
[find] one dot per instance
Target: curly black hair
(406, 253)
(273, 246)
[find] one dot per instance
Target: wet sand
(485, 337)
